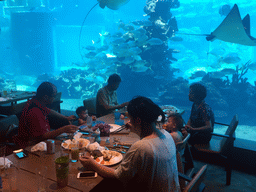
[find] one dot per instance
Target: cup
(117, 115)
(41, 179)
(62, 169)
(74, 154)
(89, 121)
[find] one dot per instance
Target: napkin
(7, 162)
(77, 136)
(39, 147)
(95, 146)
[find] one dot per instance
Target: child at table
(174, 126)
(82, 113)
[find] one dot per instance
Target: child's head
(81, 112)
(175, 123)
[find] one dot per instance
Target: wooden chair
(222, 146)
(5, 124)
(90, 105)
(56, 102)
(195, 184)
(184, 157)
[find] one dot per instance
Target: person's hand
(184, 132)
(128, 125)
(188, 128)
(86, 160)
(69, 129)
(71, 117)
(124, 104)
(94, 118)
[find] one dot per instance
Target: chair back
(90, 105)
(5, 124)
(56, 102)
(194, 184)
(226, 142)
(180, 146)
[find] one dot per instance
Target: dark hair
(199, 91)
(114, 78)
(145, 109)
(178, 120)
(46, 88)
(80, 109)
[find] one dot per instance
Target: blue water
(42, 43)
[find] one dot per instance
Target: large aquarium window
(158, 47)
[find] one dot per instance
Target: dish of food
(114, 127)
(108, 157)
(82, 143)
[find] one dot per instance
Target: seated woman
(174, 126)
(201, 122)
(151, 161)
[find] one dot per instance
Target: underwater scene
(158, 47)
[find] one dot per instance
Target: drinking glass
(74, 154)
(89, 121)
(62, 170)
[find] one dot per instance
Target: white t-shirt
(150, 165)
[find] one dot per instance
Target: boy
(82, 114)
(174, 126)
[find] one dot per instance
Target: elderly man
(34, 124)
(106, 101)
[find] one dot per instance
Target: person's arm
(103, 101)
(81, 121)
(106, 172)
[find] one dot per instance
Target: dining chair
(5, 125)
(220, 146)
(56, 102)
(90, 105)
(194, 184)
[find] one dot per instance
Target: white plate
(116, 158)
(85, 144)
(114, 127)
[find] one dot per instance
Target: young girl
(174, 126)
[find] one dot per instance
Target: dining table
(28, 165)
(13, 97)
(27, 176)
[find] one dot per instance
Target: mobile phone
(21, 154)
(87, 175)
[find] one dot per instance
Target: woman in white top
(151, 162)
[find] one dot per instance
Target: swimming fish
(112, 4)
(230, 58)
(128, 60)
(197, 74)
(228, 71)
(155, 41)
(217, 52)
(145, 23)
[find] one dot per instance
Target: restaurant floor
(215, 179)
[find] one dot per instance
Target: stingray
(232, 29)
(112, 4)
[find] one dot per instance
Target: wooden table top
(30, 163)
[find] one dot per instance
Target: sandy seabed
(243, 131)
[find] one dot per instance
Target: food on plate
(108, 157)
(94, 146)
(103, 127)
(80, 143)
(96, 153)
